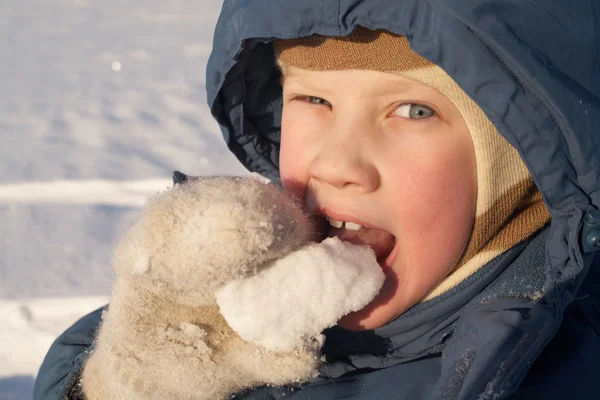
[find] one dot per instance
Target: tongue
(380, 241)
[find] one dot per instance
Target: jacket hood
(540, 88)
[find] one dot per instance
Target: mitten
(218, 288)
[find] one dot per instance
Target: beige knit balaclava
(509, 206)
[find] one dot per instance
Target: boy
(402, 146)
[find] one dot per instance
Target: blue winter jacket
(527, 325)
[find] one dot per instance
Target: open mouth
(383, 243)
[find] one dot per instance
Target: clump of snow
(292, 301)
(259, 177)
(142, 265)
(186, 340)
(192, 330)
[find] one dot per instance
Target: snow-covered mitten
(245, 243)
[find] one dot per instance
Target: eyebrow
(388, 84)
(401, 85)
(286, 74)
(296, 78)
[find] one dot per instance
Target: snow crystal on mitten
(288, 304)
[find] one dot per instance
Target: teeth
(335, 223)
(351, 226)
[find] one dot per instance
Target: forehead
(352, 80)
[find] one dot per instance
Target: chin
(388, 305)
(353, 323)
(361, 321)
(373, 316)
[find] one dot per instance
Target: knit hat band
(509, 206)
(364, 49)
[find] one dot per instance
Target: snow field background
(100, 102)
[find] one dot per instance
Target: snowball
(298, 296)
(142, 265)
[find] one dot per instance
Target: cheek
(449, 188)
(436, 205)
(293, 166)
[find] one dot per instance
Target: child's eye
(315, 100)
(414, 111)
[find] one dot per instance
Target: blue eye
(414, 111)
(317, 100)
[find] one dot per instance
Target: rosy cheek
(300, 128)
(442, 210)
(290, 165)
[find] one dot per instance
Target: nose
(345, 161)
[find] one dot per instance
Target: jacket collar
(460, 324)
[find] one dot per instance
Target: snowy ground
(100, 101)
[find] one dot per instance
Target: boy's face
(392, 155)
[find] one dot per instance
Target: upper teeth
(351, 226)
